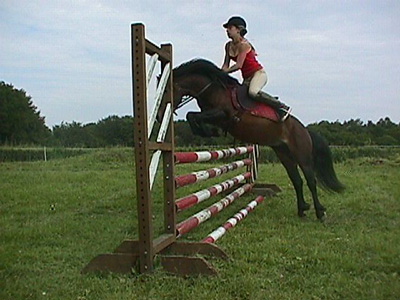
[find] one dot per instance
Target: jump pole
(232, 222)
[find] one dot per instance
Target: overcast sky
(329, 60)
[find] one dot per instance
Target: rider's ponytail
(242, 31)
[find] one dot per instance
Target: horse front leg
(198, 120)
(312, 185)
(195, 126)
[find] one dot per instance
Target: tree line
(22, 124)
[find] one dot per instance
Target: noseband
(187, 99)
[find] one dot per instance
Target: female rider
(243, 54)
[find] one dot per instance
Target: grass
(57, 215)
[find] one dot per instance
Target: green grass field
(57, 215)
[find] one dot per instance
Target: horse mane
(206, 68)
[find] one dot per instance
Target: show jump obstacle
(182, 258)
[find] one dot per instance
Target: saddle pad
(257, 109)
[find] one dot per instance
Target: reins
(187, 99)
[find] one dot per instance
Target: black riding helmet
(239, 22)
(235, 21)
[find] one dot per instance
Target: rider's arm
(243, 50)
(227, 58)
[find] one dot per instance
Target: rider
(254, 76)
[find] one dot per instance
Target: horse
(294, 145)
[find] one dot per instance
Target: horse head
(181, 95)
(194, 79)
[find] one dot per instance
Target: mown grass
(56, 216)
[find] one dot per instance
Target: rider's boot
(282, 109)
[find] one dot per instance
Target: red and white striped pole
(192, 199)
(201, 156)
(186, 179)
(195, 220)
(216, 234)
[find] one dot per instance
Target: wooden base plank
(195, 248)
(128, 246)
(185, 266)
(113, 262)
(266, 189)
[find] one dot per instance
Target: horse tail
(323, 164)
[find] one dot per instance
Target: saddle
(243, 102)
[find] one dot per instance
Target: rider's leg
(256, 83)
(273, 101)
(282, 109)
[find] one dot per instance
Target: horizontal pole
(202, 216)
(152, 49)
(194, 177)
(201, 156)
(232, 222)
(160, 146)
(192, 199)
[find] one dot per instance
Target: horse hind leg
(312, 185)
(306, 166)
(300, 147)
(292, 170)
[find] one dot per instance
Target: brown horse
(292, 142)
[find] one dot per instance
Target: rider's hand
(225, 69)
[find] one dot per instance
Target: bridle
(186, 99)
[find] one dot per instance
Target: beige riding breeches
(256, 82)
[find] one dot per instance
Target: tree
(116, 131)
(70, 135)
(356, 133)
(20, 122)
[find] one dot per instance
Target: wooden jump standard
(176, 257)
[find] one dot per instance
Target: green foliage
(111, 131)
(20, 122)
(116, 130)
(344, 153)
(356, 133)
(71, 135)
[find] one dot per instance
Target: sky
(329, 60)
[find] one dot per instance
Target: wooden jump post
(176, 257)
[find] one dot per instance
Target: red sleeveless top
(250, 64)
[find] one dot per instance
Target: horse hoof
(321, 215)
(301, 214)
